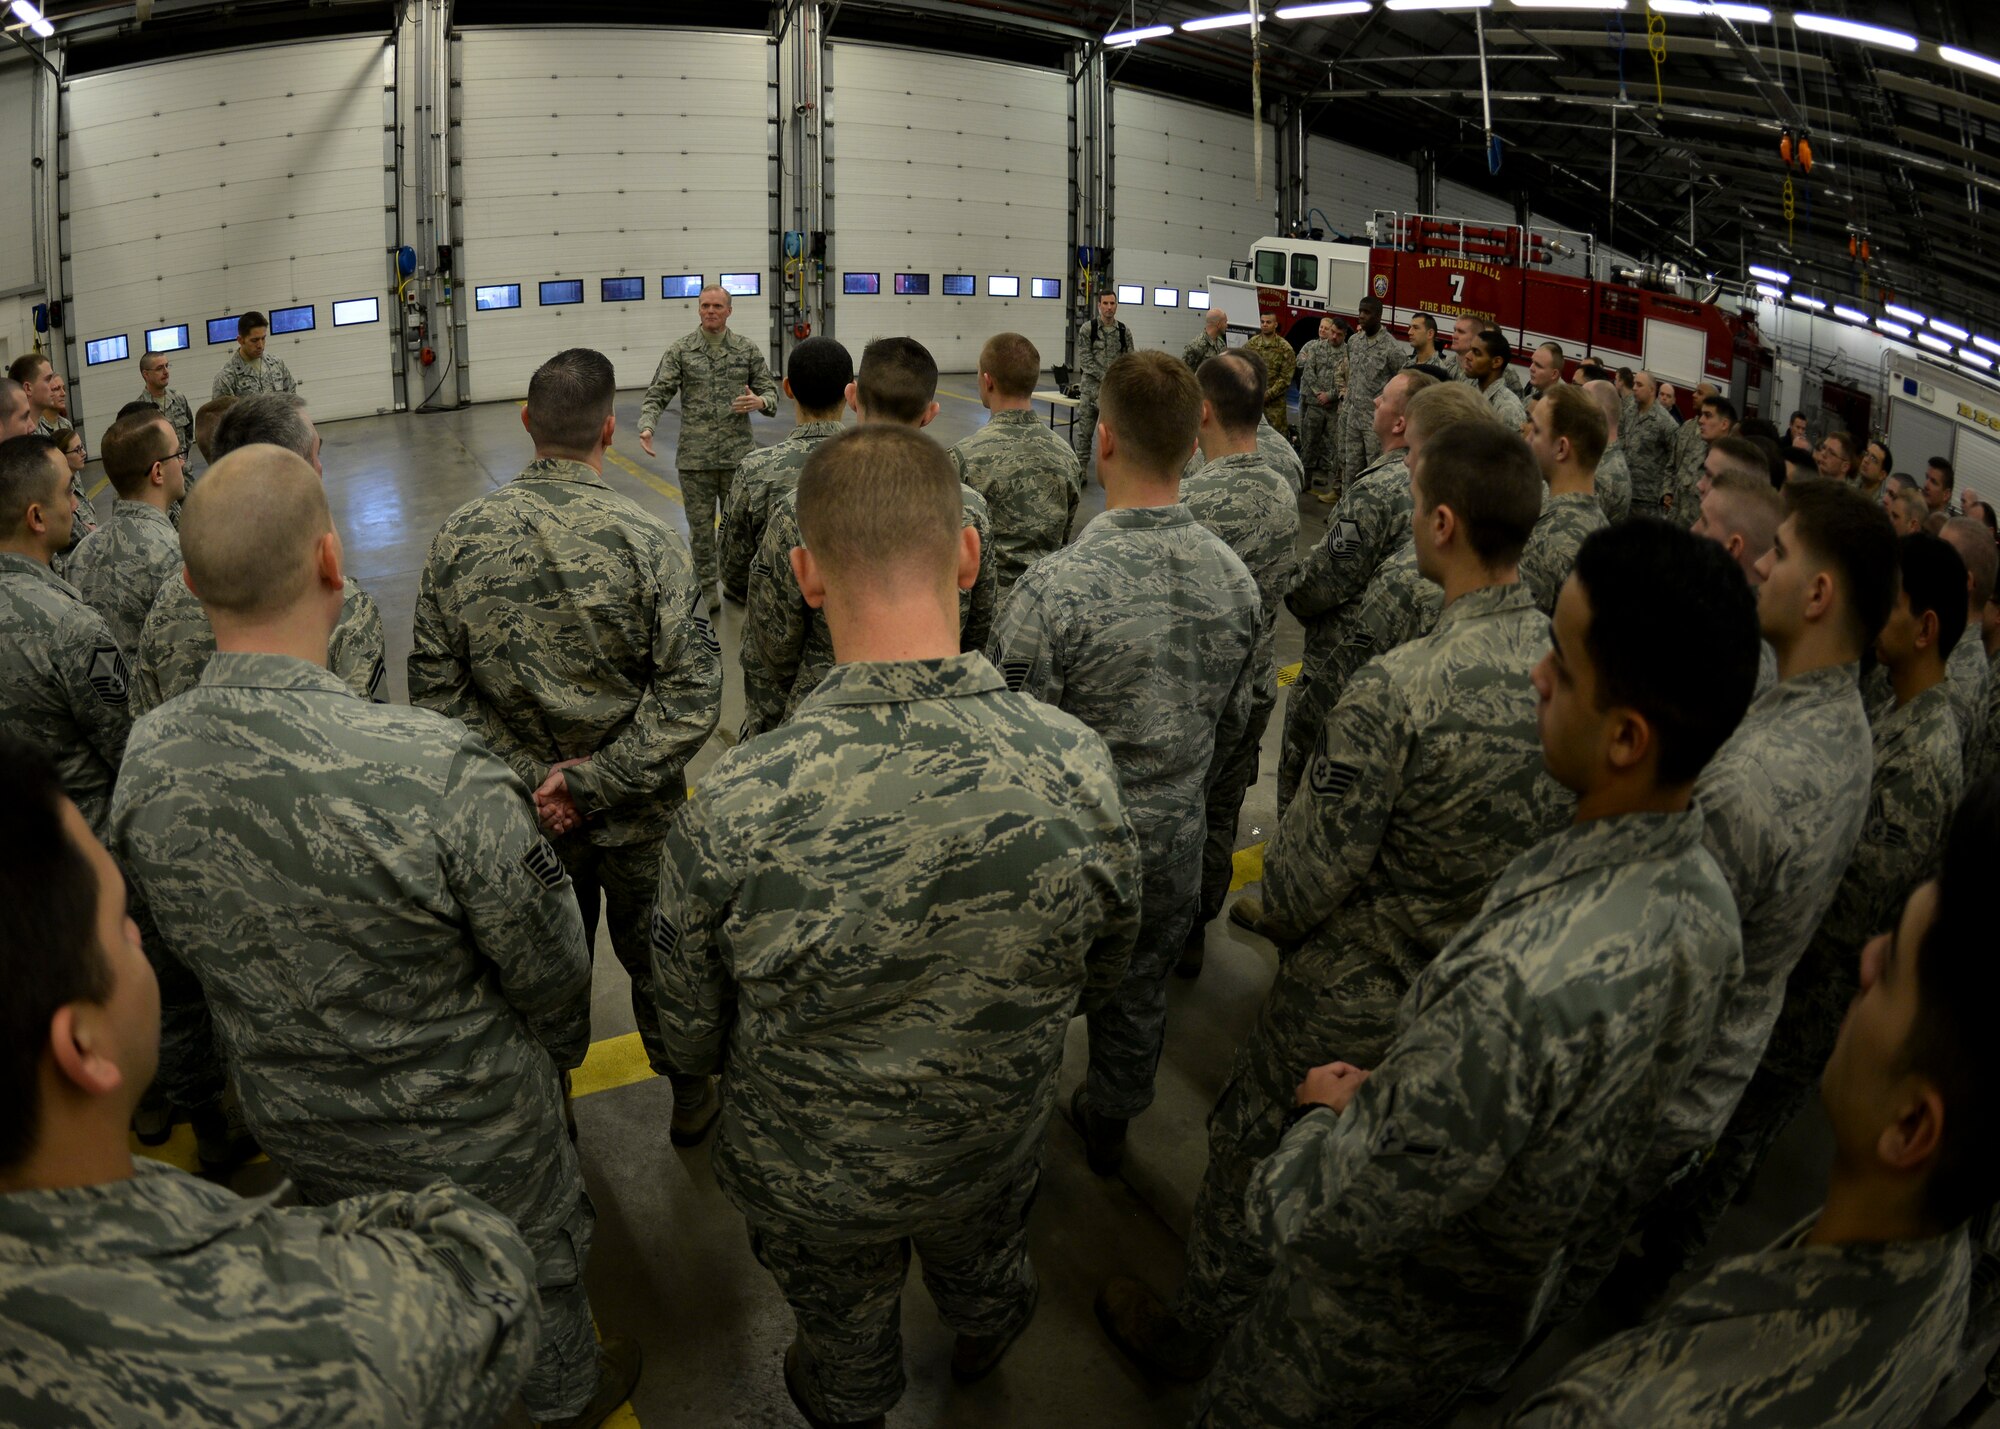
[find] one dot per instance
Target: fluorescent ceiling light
(1770, 275)
(1967, 355)
(24, 12)
(1853, 315)
(1770, 292)
(1956, 334)
(1895, 329)
(1933, 343)
(1437, 4)
(1854, 30)
(1969, 59)
(1906, 314)
(1569, 4)
(1318, 12)
(1219, 22)
(1753, 14)
(1988, 343)
(1132, 37)
(42, 27)
(1814, 303)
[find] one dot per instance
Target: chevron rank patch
(107, 674)
(544, 863)
(666, 935)
(1331, 778)
(705, 633)
(1016, 673)
(1346, 540)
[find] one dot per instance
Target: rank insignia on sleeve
(666, 936)
(1331, 779)
(1346, 539)
(1016, 673)
(705, 633)
(107, 674)
(544, 863)
(375, 679)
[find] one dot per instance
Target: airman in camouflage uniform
(1278, 454)
(1647, 437)
(59, 431)
(717, 373)
(1567, 520)
(173, 407)
(1966, 675)
(1423, 331)
(1398, 606)
(241, 377)
(176, 644)
(1031, 482)
(1279, 361)
(1100, 341)
(1614, 483)
(1213, 342)
(1374, 355)
(121, 567)
(561, 623)
(119, 1301)
(761, 478)
(1322, 377)
(890, 1018)
(1986, 755)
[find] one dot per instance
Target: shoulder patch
(666, 935)
(1016, 672)
(1346, 540)
(107, 674)
(705, 632)
(544, 863)
(1331, 778)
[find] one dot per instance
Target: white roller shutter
(1184, 203)
(200, 188)
(1457, 200)
(1977, 465)
(1348, 185)
(948, 165)
(589, 154)
(17, 216)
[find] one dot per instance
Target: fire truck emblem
(1381, 285)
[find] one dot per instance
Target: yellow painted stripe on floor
(960, 397)
(615, 1062)
(102, 482)
(632, 468)
(1289, 674)
(1246, 867)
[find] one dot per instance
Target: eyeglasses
(179, 454)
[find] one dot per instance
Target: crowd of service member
(1604, 843)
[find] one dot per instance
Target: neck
(1126, 489)
(153, 496)
(1632, 792)
(834, 414)
(159, 391)
(1816, 648)
(1912, 677)
(1216, 443)
(1424, 351)
(594, 458)
(75, 1149)
(1864, 1209)
(248, 357)
(1465, 577)
(301, 633)
(876, 624)
(1001, 402)
(51, 414)
(1569, 479)
(28, 546)
(1489, 379)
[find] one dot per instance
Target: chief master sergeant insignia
(107, 674)
(544, 863)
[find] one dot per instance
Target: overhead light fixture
(1751, 14)
(1219, 22)
(1437, 4)
(1906, 314)
(1321, 12)
(1854, 30)
(1132, 37)
(1770, 275)
(1853, 315)
(1770, 292)
(1893, 329)
(41, 26)
(1988, 343)
(24, 12)
(1935, 344)
(1969, 59)
(1966, 354)
(1956, 334)
(1814, 303)
(1568, 4)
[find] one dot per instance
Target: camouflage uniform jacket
(1446, 359)
(1031, 481)
(1614, 483)
(1506, 406)
(1399, 606)
(1319, 373)
(1250, 507)
(1278, 454)
(1857, 1336)
(1785, 799)
(1566, 522)
(1146, 628)
(62, 682)
(1421, 1234)
(1986, 754)
(1279, 364)
(559, 621)
(391, 949)
(121, 566)
(174, 408)
(1648, 441)
(878, 922)
(709, 375)
(1371, 362)
(1965, 672)
(122, 1303)
(243, 379)
(1098, 346)
(1426, 781)
(176, 642)
(1690, 451)
(759, 478)
(1203, 348)
(1371, 521)
(1914, 792)
(58, 432)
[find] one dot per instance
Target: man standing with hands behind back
(722, 378)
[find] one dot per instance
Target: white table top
(1050, 395)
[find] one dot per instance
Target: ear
(524, 420)
(1819, 596)
(805, 570)
(1631, 740)
(1107, 445)
(968, 557)
(930, 413)
(76, 1043)
(1917, 1133)
(328, 561)
(1207, 412)
(852, 405)
(1734, 545)
(1927, 630)
(1444, 525)
(610, 430)
(787, 385)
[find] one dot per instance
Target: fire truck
(1534, 285)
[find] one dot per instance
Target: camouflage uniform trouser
(846, 1295)
(1128, 1031)
(1278, 414)
(1303, 717)
(1317, 448)
(1323, 1007)
(706, 494)
(191, 1071)
(1083, 424)
(1358, 443)
(1232, 780)
(563, 1378)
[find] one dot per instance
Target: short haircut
(1689, 665)
(248, 528)
(1802, 459)
(1496, 345)
(1489, 478)
(1888, 457)
(1974, 544)
(1755, 427)
(1945, 470)
(48, 935)
(1012, 362)
(1415, 381)
(1957, 982)
(1257, 365)
(1911, 506)
(275, 419)
(134, 407)
(728, 298)
(1427, 320)
(26, 477)
(1624, 375)
(1795, 417)
(897, 380)
(879, 497)
(207, 417)
(1593, 372)
(1750, 507)
(151, 359)
(1742, 454)
(131, 447)
(1852, 535)
(1369, 304)
(11, 393)
(1555, 347)
(1152, 405)
(819, 371)
(250, 322)
(1721, 407)
(1604, 393)
(1574, 415)
(1934, 582)
(28, 367)
(1437, 407)
(1230, 386)
(1845, 441)
(569, 397)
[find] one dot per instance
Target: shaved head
(250, 529)
(1606, 397)
(1974, 544)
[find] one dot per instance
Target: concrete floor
(672, 1264)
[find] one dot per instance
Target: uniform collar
(1828, 682)
(1584, 848)
(22, 564)
(1931, 704)
(1487, 601)
(122, 509)
(1014, 416)
(886, 682)
(237, 670)
(1140, 518)
(156, 1213)
(1399, 457)
(1791, 1276)
(816, 431)
(550, 468)
(1238, 461)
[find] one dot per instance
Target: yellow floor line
(1247, 867)
(1289, 674)
(102, 482)
(632, 468)
(960, 397)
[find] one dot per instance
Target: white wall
(204, 187)
(1348, 185)
(17, 215)
(596, 153)
(1456, 200)
(1184, 202)
(947, 165)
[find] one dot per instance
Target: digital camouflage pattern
(1279, 363)
(1446, 360)
(1399, 606)
(709, 374)
(1986, 755)
(391, 951)
(1097, 347)
(1417, 1237)
(1966, 677)
(1278, 452)
(58, 431)
(1371, 362)
(1426, 782)
(1201, 349)
(1560, 531)
(877, 922)
(559, 621)
(63, 685)
(177, 642)
(1689, 454)
(174, 408)
(1614, 484)
(1031, 481)
(1322, 373)
(1647, 438)
(1856, 1336)
(760, 476)
(1506, 404)
(787, 648)
(247, 379)
(121, 566)
(1146, 628)
(164, 1299)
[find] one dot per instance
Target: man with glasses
(121, 566)
(154, 369)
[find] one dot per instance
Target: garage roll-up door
(199, 188)
(594, 154)
(945, 166)
(1457, 200)
(1347, 185)
(1184, 202)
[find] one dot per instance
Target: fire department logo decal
(1381, 285)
